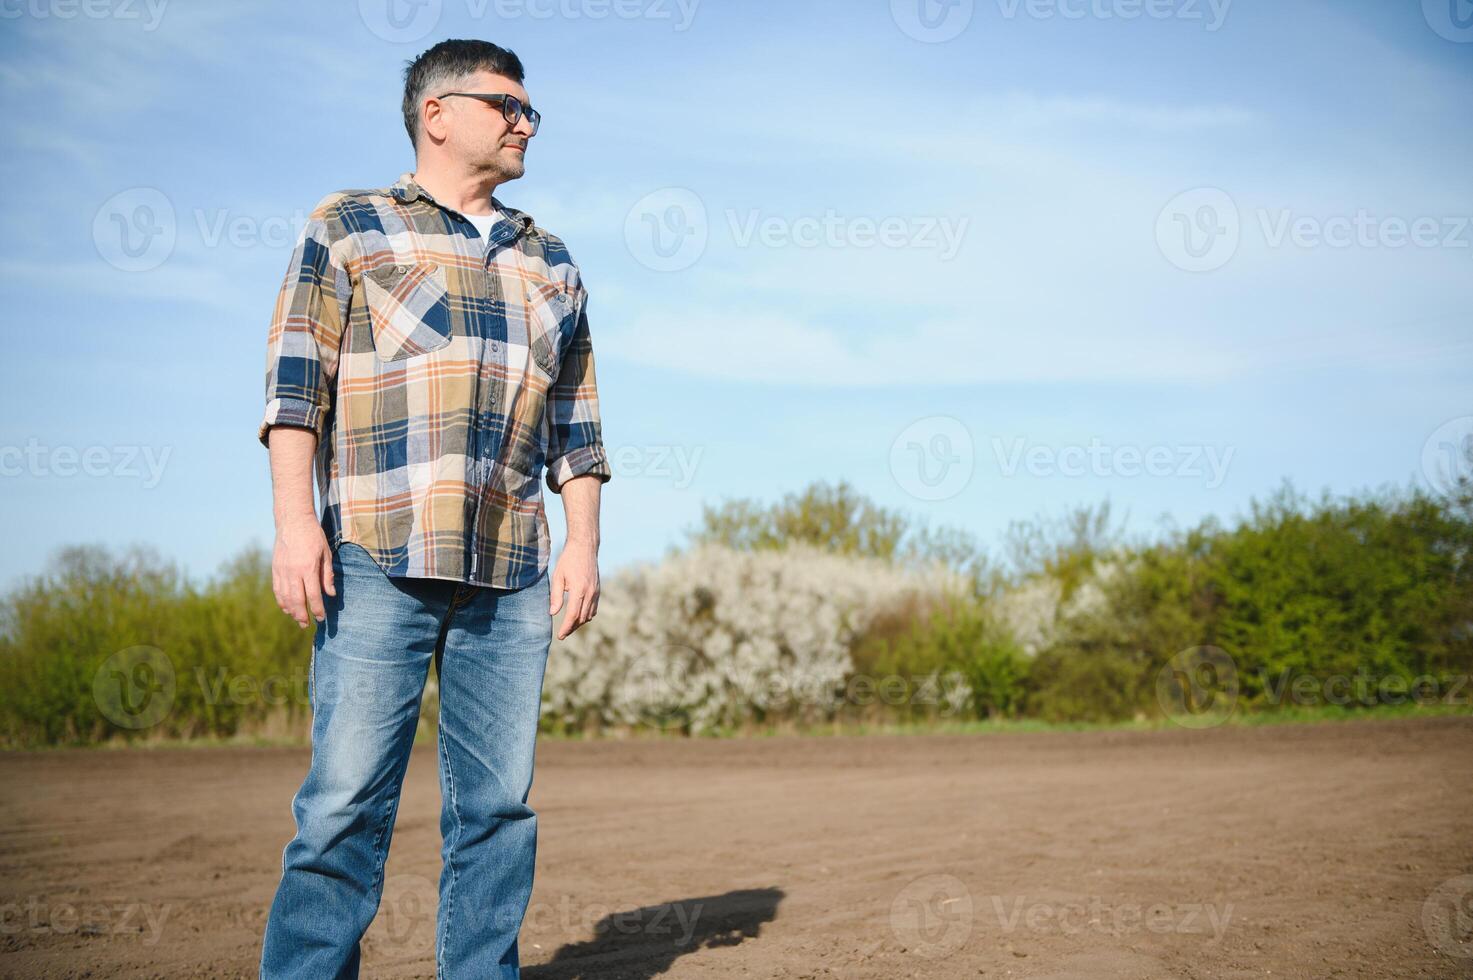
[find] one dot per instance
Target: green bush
(1376, 586)
(223, 658)
(1096, 685)
(953, 658)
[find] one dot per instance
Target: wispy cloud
(208, 285)
(771, 348)
(1024, 110)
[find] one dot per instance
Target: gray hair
(446, 64)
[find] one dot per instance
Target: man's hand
(577, 574)
(301, 569)
(301, 564)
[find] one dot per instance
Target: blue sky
(983, 261)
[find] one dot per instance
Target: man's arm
(577, 469)
(577, 567)
(301, 561)
(301, 362)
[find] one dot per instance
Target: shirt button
(401, 268)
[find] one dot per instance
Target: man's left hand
(577, 575)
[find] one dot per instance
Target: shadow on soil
(642, 943)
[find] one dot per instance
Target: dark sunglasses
(512, 108)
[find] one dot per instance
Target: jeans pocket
(351, 562)
(351, 553)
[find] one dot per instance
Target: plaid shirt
(441, 371)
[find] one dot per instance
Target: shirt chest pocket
(408, 309)
(550, 311)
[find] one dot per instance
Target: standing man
(428, 357)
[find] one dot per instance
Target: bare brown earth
(1332, 850)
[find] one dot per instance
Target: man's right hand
(301, 569)
(301, 564)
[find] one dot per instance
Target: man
(428, 357)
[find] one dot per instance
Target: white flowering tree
(717, 636)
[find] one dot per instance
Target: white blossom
(716, 636)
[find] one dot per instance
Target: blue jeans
(370, 659)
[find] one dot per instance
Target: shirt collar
(407, 189)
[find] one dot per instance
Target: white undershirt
(483, 222)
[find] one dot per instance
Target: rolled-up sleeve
(306, 332)
(575, 439)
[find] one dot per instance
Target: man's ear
(432, 120)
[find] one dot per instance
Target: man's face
(478, 135)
